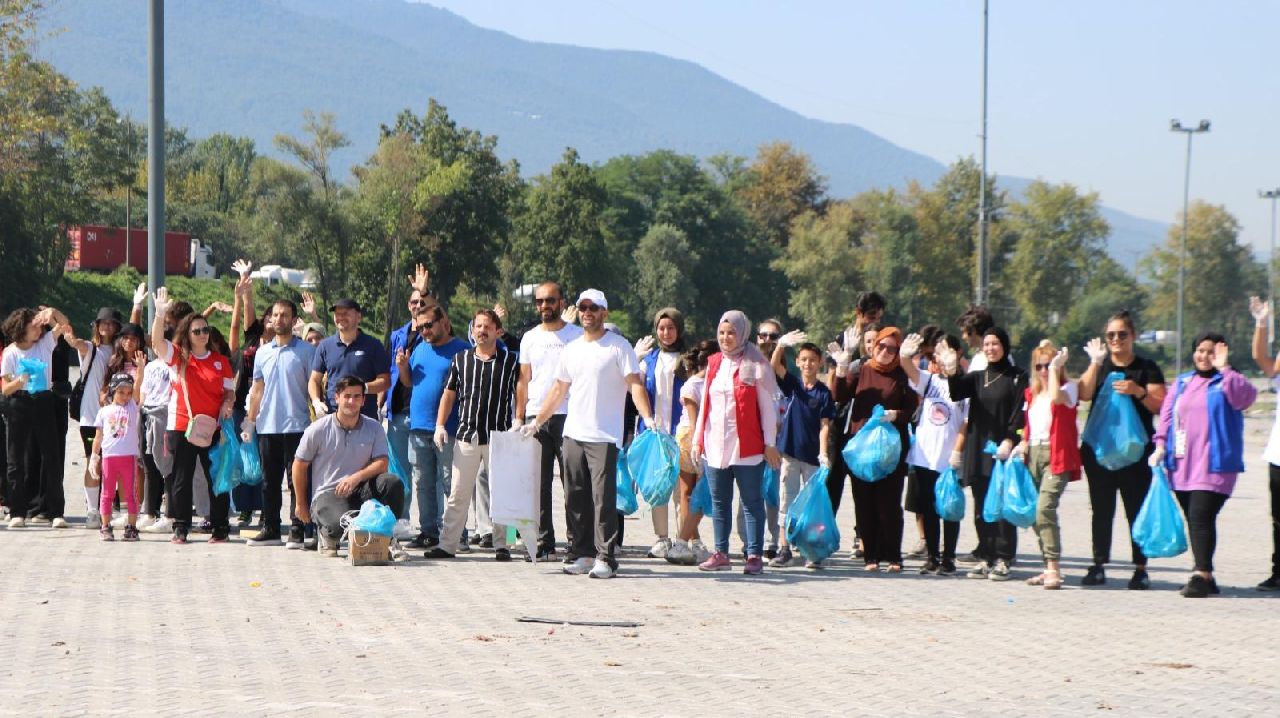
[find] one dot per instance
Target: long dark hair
(119, 357)
(14, 326)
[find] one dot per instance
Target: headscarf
(677, 318)
(748, 352)
(1003, 337)
(883, 334)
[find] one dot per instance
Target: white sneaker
(58, 523)
(93, 520)
(577, 568)
(680, 554)
(144, 521)
(660, 548)
(161, 525)
(17, 522)
(602, 569)
(403, 530)
(119, 522)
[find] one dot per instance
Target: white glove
(890, 415)
(695, 456)
(529, 429)
(140, 294)
(162, 300)
(644, 346)
(1096, 351)
(1260, 310)
(95, 466)
(655, 422)
(441, 437)
(948, 358)
(911, 346)
(824, 461)
(1020, 451)
(242, 266)
(320, 407)
(957, 459)
(246, 428)
(1157, 457)
(840, 356)
(1003, 451)
(791, 339)
(569, 315)
(1059, 360)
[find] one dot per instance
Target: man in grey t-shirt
(347, 455)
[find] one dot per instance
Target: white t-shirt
(940, 422)
(692, 390)
(119, 426)
(89, 405)
(664, 381)
(1272, 453)
(597, 373)
(41, 349)
(157, 384)
(541, 349)
(1040, 415)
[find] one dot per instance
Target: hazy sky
(1080, 92)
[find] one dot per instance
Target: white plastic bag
(514, 476)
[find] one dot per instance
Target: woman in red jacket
(1051, 447)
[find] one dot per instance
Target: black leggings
(1132, 482)
(1275, 519)
(1201, 509)
(34, 453)
(179, 485)
(926, 480)
(996, 540)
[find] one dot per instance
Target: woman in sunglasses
(880, 381)
(204, 391)
(1143, 384)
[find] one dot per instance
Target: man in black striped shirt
(483, 383)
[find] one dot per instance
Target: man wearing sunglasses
(602, 367)
(395, 402)
(540, 351)
(423, 367)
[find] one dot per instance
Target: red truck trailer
(102, 248)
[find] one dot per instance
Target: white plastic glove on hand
(644, 346)
(957, 460)
(140, 294)
(320, 407)
(162, 300)
(246, 428)
(242, 267)
(441, 437)
(1096, 351)
(824, 461)
(839, 356)
(1020, 451)
(1260, 310)
(529, 429)
(911, 345)
(947, 358)
(1059, 360)
(1003, 451)
(1157, 457)
(794, 338)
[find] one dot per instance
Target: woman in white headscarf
(735, 436)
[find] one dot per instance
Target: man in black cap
(349, 352)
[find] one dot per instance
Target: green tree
(663, 259)
(780, 185)
(1109, 289)
(887, 233)
(822, 263)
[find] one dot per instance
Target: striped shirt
(486, 391)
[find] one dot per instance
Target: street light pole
(155, 149)
(1176, 126)
(1271, 194)
(981, 289)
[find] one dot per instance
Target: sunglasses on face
(197, 331)
(768, 336)
(588, 308)
(1041, 367)
(416, 302)
(891, 348)
(1115, 336)
(425, 326)
(545, 300)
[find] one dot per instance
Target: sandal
(895, 568)
(1036, 580)
(1052, 580)
(871, 567)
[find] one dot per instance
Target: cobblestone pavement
(150, 628)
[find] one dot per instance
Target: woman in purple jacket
(1200, 441)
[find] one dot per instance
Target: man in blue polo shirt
(349, 352)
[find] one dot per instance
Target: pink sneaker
(717, 562)
(754, 567)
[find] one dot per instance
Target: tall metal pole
(1271, 259)
(982, 285)
(155, 151)
(1176, 126)
(128, 194)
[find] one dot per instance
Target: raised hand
(500, 310)
(644, 346)
(140, 358)
(838, 354)
(244, 285)
(794, 338)
(1260, 310)
(911, 345)
(569, 315)
(140, 294)
(1059, 360)
(850, 340)
(223, 307)
(947, 358)
(1220, 352)
(162, 300)
(308, 304)
(242, 266)
(420, 279)
(402, 360)
(1096, 351)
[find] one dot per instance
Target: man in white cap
(603, 367)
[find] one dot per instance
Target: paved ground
(149, 628)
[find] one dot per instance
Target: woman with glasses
(995, 395)
(1143, 384)
(859, 344)
(880, 381)
(203, 387)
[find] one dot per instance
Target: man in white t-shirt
(604, 368)
(540, 350)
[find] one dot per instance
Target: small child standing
(115, 452)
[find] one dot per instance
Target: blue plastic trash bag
(1159, 529)
(375, 517)
(35, 369)
(770, 487)
(654, 462)
(992, 506)
(948, 497)
(811, 523)
(873, 453)
(224, 460)
(1020, 495)
(700, 500)
(1114, 429)
(394, 467)
(250, 461)
(626, 503)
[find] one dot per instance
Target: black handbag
(77, 391)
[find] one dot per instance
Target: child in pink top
(115, 452)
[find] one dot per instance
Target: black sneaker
(930, 567)
(1140, 581)
(1197, 587)
(475, 540)
(420, 541)
(267, 537)
(223, 534)
(1271, 584)
(783, 559)
(502, 554)
(130, 533)
(1095, 576)
(106, 533)
(544, 554)
(179, 537)
(947, 568)
(297, 538)
(438, 552)
(205, 527)
(771, 552)
(486, 541)
(1213, 587)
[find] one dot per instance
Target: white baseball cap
(595, 295)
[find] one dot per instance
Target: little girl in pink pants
(115, 453)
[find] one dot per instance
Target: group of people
(343, 418)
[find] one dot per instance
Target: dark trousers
(877, 506)
(1275, 519)
(839, 471)
(996, 540)
(153, 489)
(178, 486)
(277, 452)
(35, 451)
(591, 498)
(1201, 509)
(551, 436)
(1132, 482)
(327, 508)
(925, 501)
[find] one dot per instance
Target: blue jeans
(398, 445)
(432, 475)
(750, 484)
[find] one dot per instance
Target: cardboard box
(368, 549)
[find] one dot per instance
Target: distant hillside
(250, 67)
